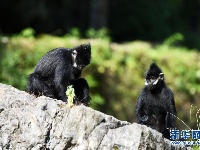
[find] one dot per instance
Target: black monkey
(155, 105)
(58, 69)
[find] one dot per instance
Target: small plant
(195, 147)
(70, 95)
(181, 121)
(197, 115)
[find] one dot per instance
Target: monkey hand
(144, 119)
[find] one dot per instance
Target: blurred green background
(115, 75)
(126, 36)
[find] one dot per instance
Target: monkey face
(153, 76)
(153, 81)
(150, 80)
(81, 56)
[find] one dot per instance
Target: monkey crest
(153, 76)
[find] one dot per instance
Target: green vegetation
(196, 111)
(115, 74)
(70, 94)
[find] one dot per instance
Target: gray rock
(27, 123)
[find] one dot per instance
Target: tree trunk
(98, 13)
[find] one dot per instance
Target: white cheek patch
(146, 83)
(161, 77)
(74, 65)
(156, 81)
(74, 55)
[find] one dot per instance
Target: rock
(27, 122)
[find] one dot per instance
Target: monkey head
(153, 76)
(80, 57)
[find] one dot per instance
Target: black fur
(81, 91)
(155, 105)
(58, 69)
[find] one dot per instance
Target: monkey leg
(81, 88)
(37, 86)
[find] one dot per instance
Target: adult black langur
(58, 69)
(155, 105)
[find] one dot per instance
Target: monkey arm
(61, 80)
(171, 114)
(81, 88)
(141, 115)
(144, 120)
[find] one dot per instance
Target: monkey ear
(161, 76)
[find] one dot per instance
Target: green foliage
(115, 75)
(197, 115)
(74, 32)
(70, 95)
(196, 147)
(101, 33)
(174, 39)
(28, 32)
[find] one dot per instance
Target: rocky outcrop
(27, 122)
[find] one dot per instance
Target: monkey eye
(152, 78)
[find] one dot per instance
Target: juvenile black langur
(58, 69)
(155, 105)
